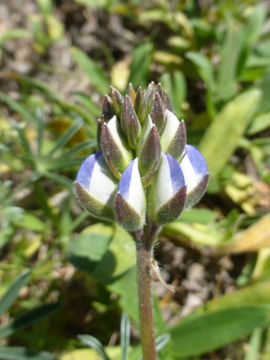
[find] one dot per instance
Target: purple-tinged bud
(107, 109)
(157, 113)
(173, 138)
(95, 187)
(113, 147)
(117, 100)
(149, 95)
(140, 106)
(196, 174)
(131, 93)
(168, 193)
(130, 123)
(130, 199)
(167, 101)
(100, 123)
(149, 152)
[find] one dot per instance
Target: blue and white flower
(145, 173)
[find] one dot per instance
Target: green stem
(144, 248)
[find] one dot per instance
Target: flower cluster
(145, 173)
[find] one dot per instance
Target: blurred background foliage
(64, 274)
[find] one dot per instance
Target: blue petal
(176, 174)
(85, 172)
(124, 183)
(197, 160)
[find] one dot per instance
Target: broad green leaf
(140, 66)
(197, 233)
(209, 331)
(94, 72)
(256, 237)
(11, 295)
(118, 259)
(29, 221)
(28, 318)
(21, 353)
(87, 249)
(198, 216)
(222, 136)
(256, 294)
(126, 287)
(95, 344)
(260, 123)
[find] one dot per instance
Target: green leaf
(18, 108)
(94, 72)
(12, 293)
(227, 69)
(80, 147)
(254, 345)
(95, 344)
(175, 85)
(257, 294)
(87, 249)
(21, 353)
(88, 103)
(64, 138)
(125, 335)
(118, 259)
(29, 221)
(198, 216)
(13, 34)
(140, 66)
(28, 318)
(260, 123)
(222, 136)
(209, 331)
(204, 66)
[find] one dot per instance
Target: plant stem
(144, 280)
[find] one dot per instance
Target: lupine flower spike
(143, 177)
(145, 171)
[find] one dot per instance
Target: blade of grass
(95, 344)
(125, 335)
(13, 291)
(28, 318)
(63, 139)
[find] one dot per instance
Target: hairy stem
(144, 280)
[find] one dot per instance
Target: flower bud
(173, 138)
(130, 199)
(114, 148)
(130, 123)
(117, 100)
(95, 187)
(157, 113)
(168, 192)
(196, 174)
(107, 109)
(149, 152)
(140, 105)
